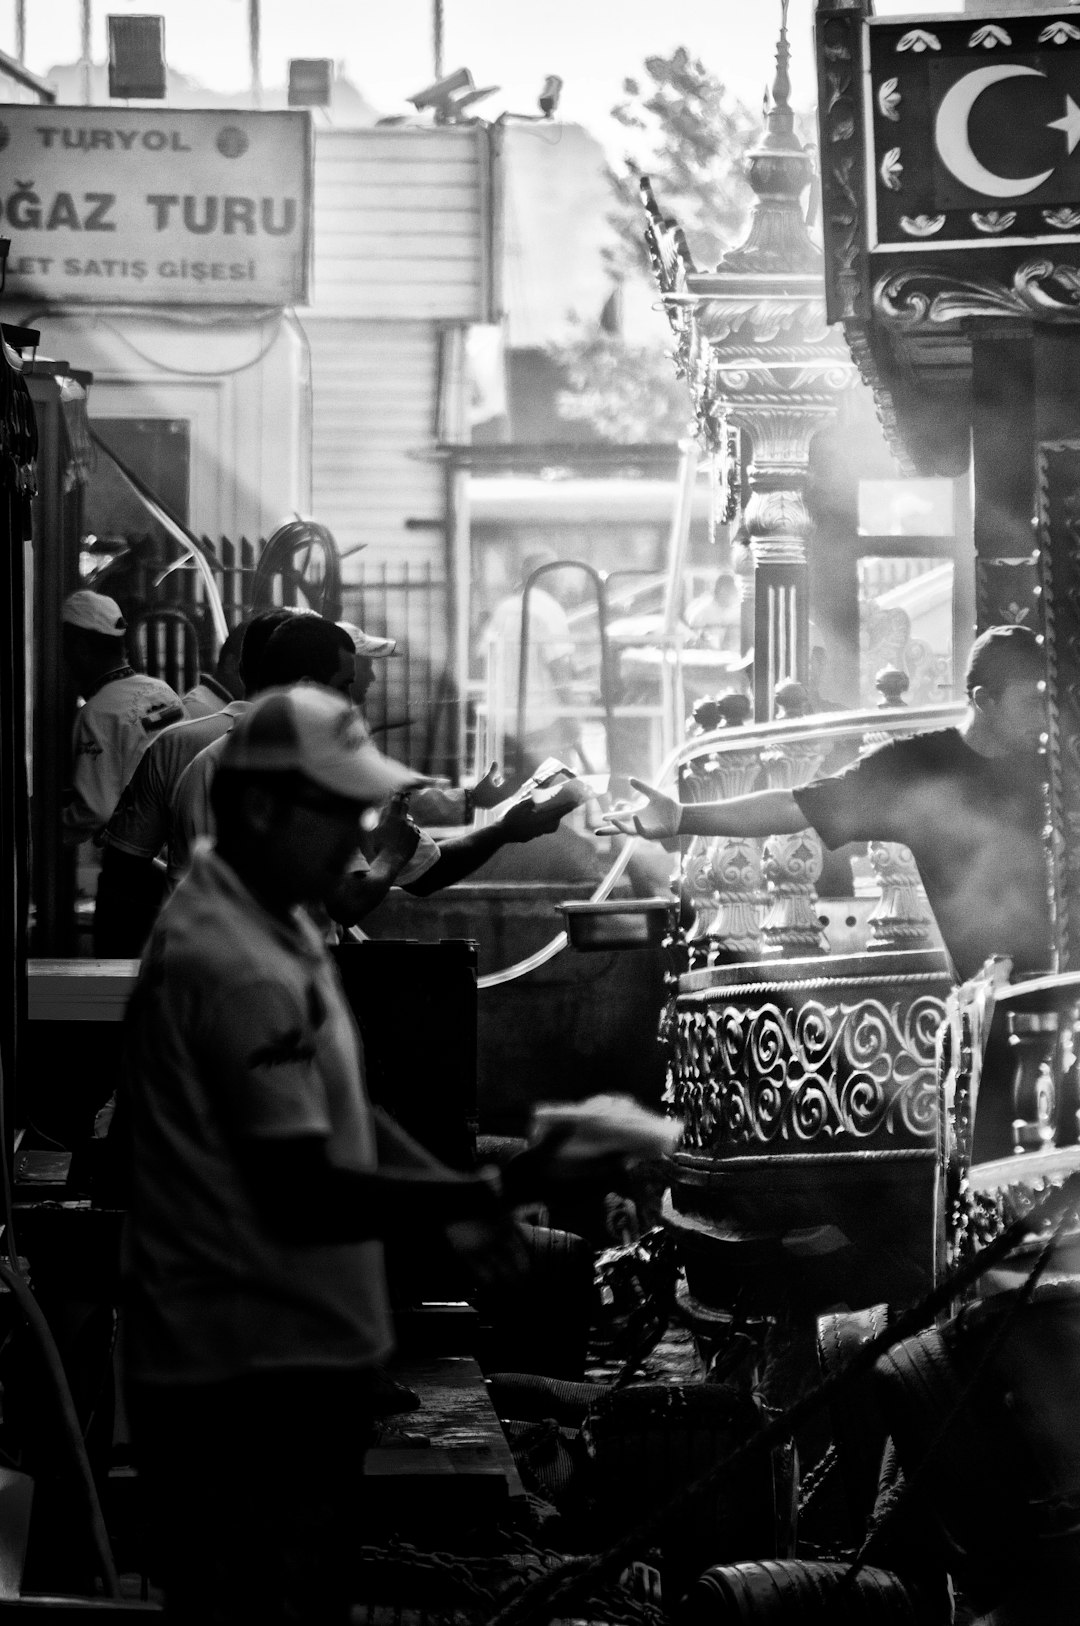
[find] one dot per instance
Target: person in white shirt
(545, 730)
(122, 711)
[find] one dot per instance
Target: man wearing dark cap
(131, 886)
(262, 1183)
(967, 801)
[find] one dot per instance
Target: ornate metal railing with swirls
(807, 1078)
(758, 899)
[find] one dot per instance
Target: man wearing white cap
(431, 803)
(261, 1184)
(121, 713)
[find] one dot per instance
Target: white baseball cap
(366, 643)
(94, 612)
(314, 732)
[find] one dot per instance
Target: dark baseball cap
(312, 731)
(1003, 655)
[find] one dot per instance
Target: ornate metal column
(752, 342)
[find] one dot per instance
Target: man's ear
(981, 696)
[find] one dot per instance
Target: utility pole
(437, 36)
(85, 59)
(255, 51)
(20, 32)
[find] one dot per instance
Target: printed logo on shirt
(161, 716)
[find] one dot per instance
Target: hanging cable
(71, 1429)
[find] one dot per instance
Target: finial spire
(780, 121)
(779, 170)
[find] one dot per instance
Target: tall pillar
(778, 525)
(1003, 477)
(766, 366)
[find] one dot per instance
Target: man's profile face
(364, 678)
(343, 678)
(1018, 714)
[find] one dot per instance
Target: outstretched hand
(656, 818)
(490, 791)
(540, 813)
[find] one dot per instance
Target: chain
(816, 1478)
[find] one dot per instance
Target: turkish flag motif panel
(973, 131)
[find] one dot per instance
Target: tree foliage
(627, 393)
(691, 137)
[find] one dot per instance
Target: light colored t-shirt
(238, 1029)
(205, 697)
(112, 730)
(142, 822)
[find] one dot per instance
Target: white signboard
(155, 206)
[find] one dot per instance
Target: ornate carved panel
(1059, 528)
(843, 165)
(822, 1064)
(1006, 592)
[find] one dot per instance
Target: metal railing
(826, 728)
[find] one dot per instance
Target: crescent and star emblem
(954, 143)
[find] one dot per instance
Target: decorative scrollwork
(923, 295)
(763, 1075)
(843, 160)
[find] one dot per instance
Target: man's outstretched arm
(660, 817)
(459, 856)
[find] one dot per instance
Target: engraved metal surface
(801, 1071)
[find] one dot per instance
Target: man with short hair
(215, 689)
(121, 713)
(309, 649)
(968, 802)
(262, 1185)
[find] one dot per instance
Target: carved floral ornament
(994, 221)
(989, 37)
(923, 295)
(921, 225)
(918, 39)
(888, 97)
(891, 170)
(1059, 33)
